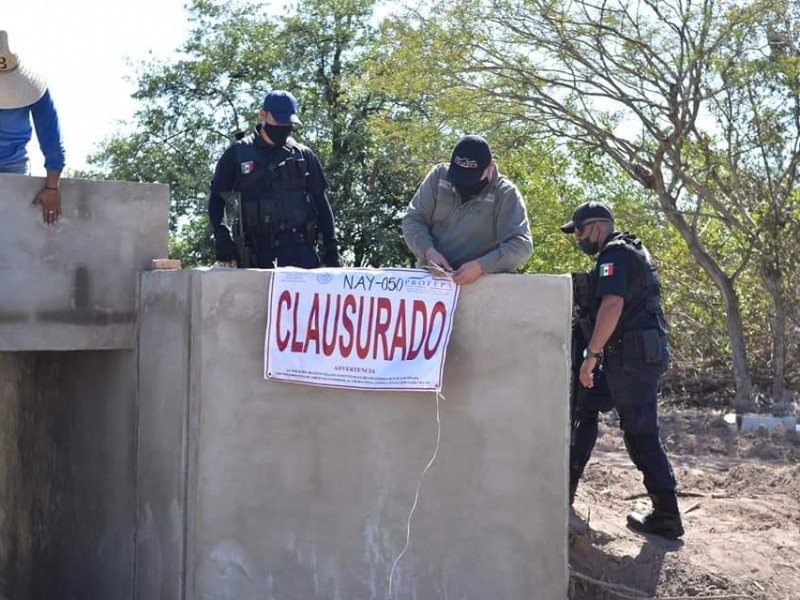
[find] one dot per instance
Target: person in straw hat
(24, 97)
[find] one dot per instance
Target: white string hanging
(419, 485)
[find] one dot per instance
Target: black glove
(223, 244)
(331, 256)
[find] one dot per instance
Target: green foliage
(234, 56)
(696, 103)
(541, 172)
(579, 101)
(193, 244)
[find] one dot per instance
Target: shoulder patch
(607, 270)
(247, 167)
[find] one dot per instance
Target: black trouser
(633, 384)
(295, 255)
(631, 387)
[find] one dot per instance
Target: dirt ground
(740, 498)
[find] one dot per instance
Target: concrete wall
(72, 286)
(164, 387)
(67, 422)
(257, 489)
(67, 419)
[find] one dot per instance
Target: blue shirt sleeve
(48, 132)
(612, 273)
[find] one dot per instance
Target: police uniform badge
(247, 167)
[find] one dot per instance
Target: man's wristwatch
(589, 353)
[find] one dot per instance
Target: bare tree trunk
(773, 281)
(743, 400)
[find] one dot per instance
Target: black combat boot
(664, 521)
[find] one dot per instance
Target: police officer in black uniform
(629, 338)
(281, 189)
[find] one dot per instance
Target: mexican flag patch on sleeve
(607, 270)
(247, 167)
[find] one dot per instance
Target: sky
(90, 52)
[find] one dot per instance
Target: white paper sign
(379, 329)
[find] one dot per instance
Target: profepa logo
(465, 163)
(430, 282)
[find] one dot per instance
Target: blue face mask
(588, 246)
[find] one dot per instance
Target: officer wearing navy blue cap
(281, 187)
(629, 342)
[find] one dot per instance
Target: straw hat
(19, 86)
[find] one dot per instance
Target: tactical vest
(276, 208)
(643, 284)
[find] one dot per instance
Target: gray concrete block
(163, 434)
(73, 286)
(752, 422)
(303, 492)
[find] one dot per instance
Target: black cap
(588, 211)
(470, 158)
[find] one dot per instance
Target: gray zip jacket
(491, 228)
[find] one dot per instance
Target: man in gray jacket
(466, 218)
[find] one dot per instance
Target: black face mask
(277, 133)
(589, 246)
(469, 191)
